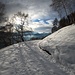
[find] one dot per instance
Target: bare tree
(2, 28)
(56, 6)
(62, 6)
(59, 5)
(2, 12)
(20, 21)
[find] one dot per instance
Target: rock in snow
(53, 55)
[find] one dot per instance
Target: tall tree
(2, 12)
(55, 25)
(63, 6)
(56, 6)
(20, 21)
(55, 22)
(59, 5)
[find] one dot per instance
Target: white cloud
(50, 22)
(43, 29)
(37, 9)
(32, 6)
(41, 26)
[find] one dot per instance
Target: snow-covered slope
(28, 58)
(61, 46)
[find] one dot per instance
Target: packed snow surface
(54, 55)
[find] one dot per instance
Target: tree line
(67, 21)
(66, 13)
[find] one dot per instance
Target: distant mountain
(31, 35)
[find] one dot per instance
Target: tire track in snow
(44, 62)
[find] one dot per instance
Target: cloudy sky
(41, 15)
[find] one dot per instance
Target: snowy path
(26, 59)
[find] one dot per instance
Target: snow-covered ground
(61, 45)
(54, 55)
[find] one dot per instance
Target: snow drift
(61, 46)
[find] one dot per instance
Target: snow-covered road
(27, 59)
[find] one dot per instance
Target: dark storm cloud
(37, 9)
(40, 7)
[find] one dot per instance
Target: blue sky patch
(38, 20)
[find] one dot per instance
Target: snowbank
(61, 45)
(26, 58)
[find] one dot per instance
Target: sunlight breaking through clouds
(41, 26)
(37, 9)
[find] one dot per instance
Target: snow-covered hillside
(26, 59)
(61, 46)
(54, 55)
